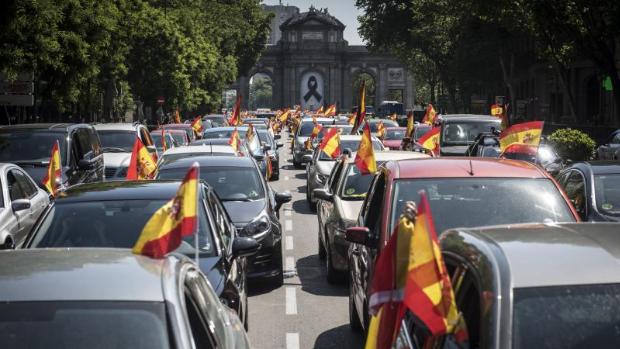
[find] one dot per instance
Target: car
(254, 145)
(243, 146)
(374, 123)
(419, 130)
(252, 205)
(338, 206)
(174, 154)
(186, 127)
(260, 122)
(610, 149)
(271, 148)
(111, 298)
(21, 204)
(303, 133)
(394, 137)
(594, 189)
(459, 131)
(157, 140)
(462, 192)
(112, 214)
(179, 136)
(217, 120)
(30, 146)
(486, 145)
(523, 286)
(387, 108)
(265, 114)
(542, 155)
(117, 140)
(320, 165)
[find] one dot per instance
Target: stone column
(409, 99)
(381, 83)
(346, 88)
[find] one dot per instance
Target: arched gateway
(311, 64)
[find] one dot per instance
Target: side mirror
(359, 235)
(266, 147)
(306, 158)
(259, 157)
(244, 247)
(20, 205)
(8, 244)
(282, 198)
(322, 194)
(277, 136)
(279, 144)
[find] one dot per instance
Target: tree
(261, 91)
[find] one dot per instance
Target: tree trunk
(508, 75)
(563, 72)
(432, 92)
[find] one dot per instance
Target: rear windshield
(307, 126)
(386, 123)
(581, 316)
(29, 146)
(117, 140)
(85, 324)
(607, 194)
(391, 135)
(465, 132)
(475, 202)
(222, 133)
(352, 145)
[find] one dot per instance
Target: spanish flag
(177, 117)
(197, 125)
(352, 118)
(380, 130)
(284, 116)
(316, 130)
(365, 157)
(410, 124)
(320, 110)
(269, 167)
(234, 140)
(249, 135)
(142, 165)
(430, 140)
(361, 109)
(331, 143)
(164, 145)
(526, 133)
(331, 110)
(176, 219)
(53, 176)
(497, 110)
(429, 115)
(235, 118)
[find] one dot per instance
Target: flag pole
(196, 233)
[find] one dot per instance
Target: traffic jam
(307, 228)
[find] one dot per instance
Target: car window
(373, 209)
(95, 144)
(24, 146)
(607, 194)
(28, 188)
(202, 336)
(575, 190)
(334, 177)
(117, 140)
(83, 142)
(222, 221)
(616, 139)
(15, 190)
(355, 185)
(463, 133)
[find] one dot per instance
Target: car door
(201, 329)
(330, 216)
(39, 199)
(19, 190)
(575, 188)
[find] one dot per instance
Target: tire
(354, 320)
(322, 253)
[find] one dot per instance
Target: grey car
(610, 149)
(110, 298)
(535, 286)
(21, 204)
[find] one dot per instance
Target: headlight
(259, 227)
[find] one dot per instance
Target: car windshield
(465, 132)
(355, 184)
(395, 135)
(107, 224)
(352, 145)
(386, 123)
(607, 194)
(474, 202)
(178, 137)
(230, 183)
(83, 324)
(117, 140)
(264, 137)
(579, 316)
(30, 146)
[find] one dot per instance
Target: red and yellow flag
(235, 118)
(430, 140)
(331, 143)
(176, 219)
(526, 133)
(197, 125)
(249, 135)
(269, 167)
(410, 124)
(497, 110)
(429, 115)
(53, 176)
(177, 117)
(380, 130)
(320, 110)
(352, 119)
(361, 109)
(428, 291)
(284, 116)
(142, 165)
(316, 130)
(365, 157)
(331, 110)
(164, 144)
(234, 140)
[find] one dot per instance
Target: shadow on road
(313, 280)
(301, 175)
(339, 337)
(302, 207)
(258, 287)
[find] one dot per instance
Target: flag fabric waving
(235, 118)
(53, 175)
(361, 109)
(164, 144)
(249, 135)
(381, 130)
(331, 110)
(269, 168)
(430, 140)
(284, 116)
(197, 125)
(142, 165)
(410, 124)
(177, 117)
(320, 110)
(331, 143)
(316, 130)
(526, 133)
(176, 219)
(352, 118)
(497, 110)
(365, 157)
(429, 115)
(234, 140)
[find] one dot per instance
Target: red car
(462, 192)
(394, 137)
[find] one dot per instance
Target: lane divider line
(289, 243)
(289, 263)
(288, 225)
(291, 301)
(292, 340)
(288, 213)
(286, 178)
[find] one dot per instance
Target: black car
(459, 131)
(112, 214)
(594, 189)
(271, 146)
(30, 146)
(610, 149)
(254, 145)
(250, 202)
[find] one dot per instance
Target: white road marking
(289, 242)
(291, 301)
(288, 212)
(289, 263)
(286, 178)
(292, 340)
(288, 225)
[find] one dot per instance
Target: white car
(174, 154)
(21, 204)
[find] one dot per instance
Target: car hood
(116, 159)
(350, 209)
(325, 167)
(457, 150)
(392, 143)
(242, 212)
(214, 270)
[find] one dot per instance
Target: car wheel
(321, 246)
(333, 276)
(354, 318)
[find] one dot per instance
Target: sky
(344, 10)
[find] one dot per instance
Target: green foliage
(573, 144)
(261, 91)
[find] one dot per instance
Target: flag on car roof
(430, 140)
(331, 110)
(526, 133)
(53, 175)
(320, 110)
(234, 140)
(284, 116)
(249, 134)
(177, 117)
(142, 165)
(331, 143)
(365, 157)
(269, 167)
(410, 124)
(361, 109)
(429, 115)
(176, 219)
(235, 118)
(164, 144)
(381, 129)
(197, 125)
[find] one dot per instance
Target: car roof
(600, 167)
(120, 190)
(214, 161)
(116, 127)
(83, 274)
(226, 128)
(395, 128)
(201, 148)
(469, 117)
(550, 254)
(61, 127)
(307, 119)
(387, 155)
(177, 126)
(454, 167)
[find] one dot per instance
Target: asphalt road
(306, 312)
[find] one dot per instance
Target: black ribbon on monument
(312, 90)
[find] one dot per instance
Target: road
(306, 312)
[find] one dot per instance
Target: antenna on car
(471, 168)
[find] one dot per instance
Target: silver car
(535, 286)
(21, 204)
(110, 298)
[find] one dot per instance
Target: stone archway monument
(311, 64)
